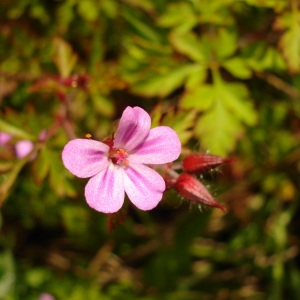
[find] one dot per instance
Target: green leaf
(150, 87)
(218, 129)
(174, 79)
(102, 104)
(182, 121)
(290, 40)
(183, 21)
(35, 277)
(58, 179)
(236, 99)
(141, 28)
(64, 56)
(215, 12)
(225, 43)
(7, 274)
(188, 44)
(88, 10)
(200, 98)
(8, 179)
(41, 165)
(40, 12)
(156, 115)
(14, 131)
(277, 5)
(226, 106)
(272, 59)
(234, 96)
(75, 219)
(259, 56)
(196, 77)
(6, 165)
(164, 84)
(146, 5)
(237, 67)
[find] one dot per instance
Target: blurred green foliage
(223, 74)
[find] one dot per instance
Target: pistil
(119, 157)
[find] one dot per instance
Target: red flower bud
(191, 188)
(201, 162)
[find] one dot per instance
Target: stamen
(118, 157)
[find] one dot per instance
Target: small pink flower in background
(23, 148)
(119, 166)
(4, 138)
(46, 296)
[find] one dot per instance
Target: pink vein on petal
(134, 126)
(105, 191)
(85, 158)
(143, 186)
(161, 146)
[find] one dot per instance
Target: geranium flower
(120, 165)
(22, 147)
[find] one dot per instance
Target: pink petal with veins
(105, 191)
(85, 158)
(133, 128)
(143, 186)
(161, 146)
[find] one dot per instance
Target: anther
(119, 157)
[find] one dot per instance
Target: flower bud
(191, 188)
(201, 162)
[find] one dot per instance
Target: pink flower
(4, 138)
(46, 296)
(23, 148)
(120, 166)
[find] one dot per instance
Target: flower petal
(105, 191)
(85, 158)
(161, 146)
(133, 127)
(143, 186)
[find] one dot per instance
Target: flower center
(118, 157)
